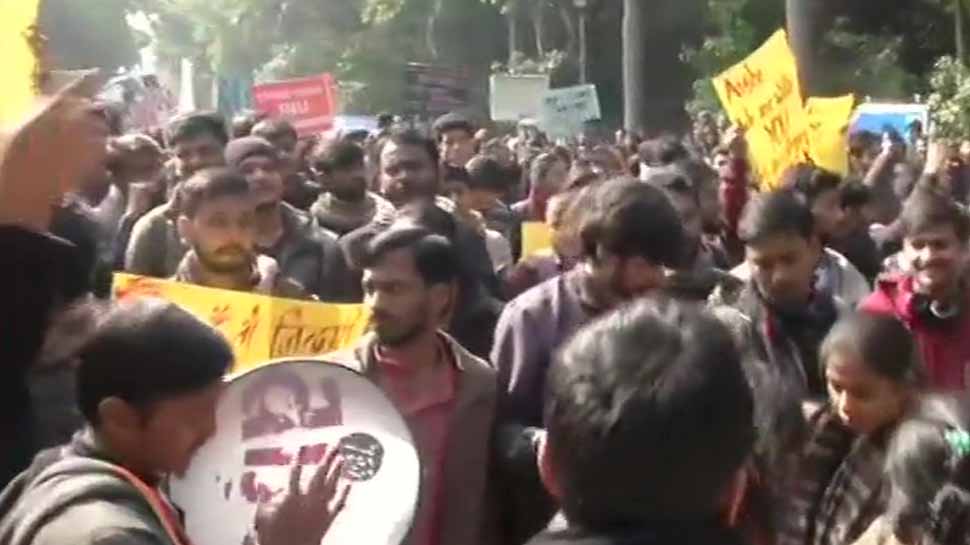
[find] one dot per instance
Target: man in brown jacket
(446, 394)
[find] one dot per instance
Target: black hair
(929, 473)
(337, 155)
(662, 151)
(244, 121)
(451, 122)
(210, 184)
(648, 416)
(855, 195)
(411, 137)
(809, 182)
(629, 218)
(430, 216)
(384, 120)
(148, 350)
(272, 128)
(675, 181)
(487, 174)
(196, 124)
(862, 141)
(775, 213)
(435, 256)
(882, 342)
(540, 167)
(928, 207)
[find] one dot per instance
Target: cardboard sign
(258, 327)
(828, 125)
(762, 95)
(565, 111)
(536, 238)
(292, 412)
(513, 98)
(19, 62)
(310, 103)
(436, 90)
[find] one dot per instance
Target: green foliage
(88, 34)
(949, 100)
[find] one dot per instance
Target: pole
(636, 103)
(959, 22)
(583, 47)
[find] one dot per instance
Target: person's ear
(117, 417)
(444, 300)
(547, 470)
(185, 229)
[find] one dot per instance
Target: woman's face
(864, 400)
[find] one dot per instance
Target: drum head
(301, 409)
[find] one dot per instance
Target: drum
(274, 415)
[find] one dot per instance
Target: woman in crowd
(547, 177)
(928, 468)
(873, 375)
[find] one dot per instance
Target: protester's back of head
(649, 418)
(628, 218)
(148, 350)
(662, 151)
(928, 465)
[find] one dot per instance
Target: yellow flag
(762, 95)
(259, 328)
(828, 123)
(19, 61)
(536, 238)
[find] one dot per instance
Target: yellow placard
(536, 238)
(259, 327)
(828, 125)
(19, 61)
(762, 95)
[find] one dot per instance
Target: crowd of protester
(696, 359)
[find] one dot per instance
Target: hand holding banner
(258, 327)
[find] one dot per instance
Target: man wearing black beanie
(305, 252)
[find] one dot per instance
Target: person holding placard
(105, 485)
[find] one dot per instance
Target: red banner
(310, 103)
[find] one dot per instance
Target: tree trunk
(570, 26)
(635, 64)
(959, 23)
(805, 29)
(539, 27)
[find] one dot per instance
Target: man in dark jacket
(649, 425)
(304, 251)
(143, 422)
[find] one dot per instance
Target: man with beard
(408, 173)
(932, 298)
(198, 141)
(630, 233)
(345, 203)
(305, 252)
(446, 394)
(217, 219)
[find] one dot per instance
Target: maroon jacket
(945, 348)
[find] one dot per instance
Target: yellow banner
(19, 62)
(762, 95)
(828, 125)
(536, 238)
(259, 327)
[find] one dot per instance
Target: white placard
(565, 111)
(516, 97)
(271, 415)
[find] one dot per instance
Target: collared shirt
(428, 409)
